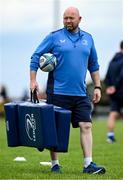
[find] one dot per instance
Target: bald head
(71, 19)
(72, 10)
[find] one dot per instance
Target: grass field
(109, 155)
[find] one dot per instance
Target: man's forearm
(33, 82)
(96, 78)
(33, 75)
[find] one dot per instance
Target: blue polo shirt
(75, 53)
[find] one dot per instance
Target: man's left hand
(96, 95)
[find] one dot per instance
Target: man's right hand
(34, 85)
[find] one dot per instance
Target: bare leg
(86, 144)
(111, 121)
(53, 155)
(86, 138)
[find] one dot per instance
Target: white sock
(54, 162)
(110, 134)
(87, 161)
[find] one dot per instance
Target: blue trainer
(56, 168)
(94, 169)
(111, 139)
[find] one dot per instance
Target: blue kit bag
(62, 121)
(12, 126)
(37, 124)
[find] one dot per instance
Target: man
(75, 52)
(114, 82)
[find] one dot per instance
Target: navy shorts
(116, 104)
(79, 105)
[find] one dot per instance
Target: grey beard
(72, 30)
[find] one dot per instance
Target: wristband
(98, 87)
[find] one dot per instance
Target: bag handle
(34, 97)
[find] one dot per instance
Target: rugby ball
(47, 62)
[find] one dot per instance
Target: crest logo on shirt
(62, 40)
(84, 42)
